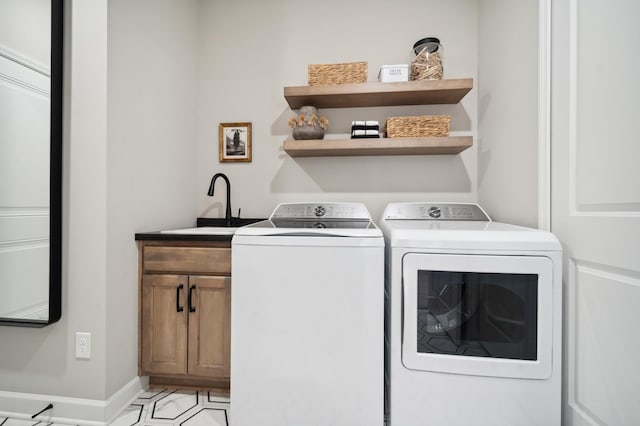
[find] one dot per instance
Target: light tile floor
(163, 407)
(17, 422)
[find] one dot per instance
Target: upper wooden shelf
(424, 92)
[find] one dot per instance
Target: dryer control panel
(436, 211)
(326, 211)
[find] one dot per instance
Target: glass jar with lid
(426, 60)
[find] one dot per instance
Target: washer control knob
(319, 211)
(319, 225)
(435, 212)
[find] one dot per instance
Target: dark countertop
(201, 221)
(159, 236)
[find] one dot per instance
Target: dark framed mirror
(31, 68)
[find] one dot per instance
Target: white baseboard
(124, 397)
(76, 411)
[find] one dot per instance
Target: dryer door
(478, 314)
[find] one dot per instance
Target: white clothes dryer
(473, 319)
(307, 318)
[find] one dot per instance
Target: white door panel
(596, 204)
(24, 208)
(604, 41)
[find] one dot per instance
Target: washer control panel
(436, 211)
(353, 211)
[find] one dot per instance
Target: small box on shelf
(368, 129)
(393, 73)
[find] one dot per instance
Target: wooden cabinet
(425, 92)
(185, 312)
(164, 328)
(210, 326)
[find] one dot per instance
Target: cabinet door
(164, 324)
(210, 326)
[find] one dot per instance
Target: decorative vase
(308, 111)
(308, 132)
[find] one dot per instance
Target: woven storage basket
(352, 72)
(418, 126)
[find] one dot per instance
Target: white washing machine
(473, 319)
(307, 318)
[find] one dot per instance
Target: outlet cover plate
(83, 345)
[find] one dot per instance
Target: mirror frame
(55, 177)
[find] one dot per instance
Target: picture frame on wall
(235, 142)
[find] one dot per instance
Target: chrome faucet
(227, 216)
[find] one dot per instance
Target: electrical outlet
(83, 345)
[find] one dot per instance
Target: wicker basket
(352, 72)
(418, 126)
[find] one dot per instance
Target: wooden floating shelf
(383, 146)
(423, 92)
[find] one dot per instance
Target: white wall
(508, 110)
(250, 50)
(151, 178)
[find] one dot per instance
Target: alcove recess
(424, 92)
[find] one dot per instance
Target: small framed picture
(235, 142)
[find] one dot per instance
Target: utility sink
(214, 226)
(203, 230)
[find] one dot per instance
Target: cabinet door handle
(178, 307)
(191, 307)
